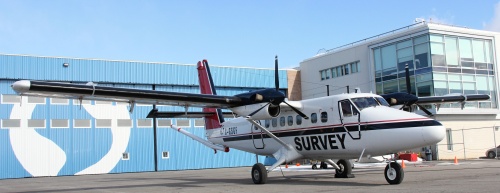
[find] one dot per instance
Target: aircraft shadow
(193, 181)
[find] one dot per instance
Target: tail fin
(207, 87)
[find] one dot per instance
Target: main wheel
(491, 154)
(394, 174)
(314, 167)
(345, 169)
(324, 165)
(259, 174)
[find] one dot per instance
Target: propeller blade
(297, 111)
(256, 111)
(408, 84)
(276, 78)
(425, 110)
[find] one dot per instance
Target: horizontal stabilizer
(154, 113)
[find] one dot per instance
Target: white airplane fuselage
(375, 130)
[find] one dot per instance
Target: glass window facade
(439, 64)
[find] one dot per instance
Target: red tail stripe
(206, 87)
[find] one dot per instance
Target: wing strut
(201, 140)
(285, 154)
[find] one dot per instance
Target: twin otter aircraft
(342, 127)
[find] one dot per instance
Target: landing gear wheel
(491, 154)
(314, 167)
(259, 174)
(323, 165)
(345, 169)
(394, 173)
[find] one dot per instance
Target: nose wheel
(394, 173)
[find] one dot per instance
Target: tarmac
(434, 176)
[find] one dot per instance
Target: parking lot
(466, 176)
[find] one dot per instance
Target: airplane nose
(433, 134)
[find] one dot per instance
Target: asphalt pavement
(434, 176)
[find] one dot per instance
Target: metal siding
(63, 138)
(246, 77)
(84, 147)
(140, 151)
(9, 165)
(140, 145)
(85, 70)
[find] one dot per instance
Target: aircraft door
(350, 118)
(258, 135)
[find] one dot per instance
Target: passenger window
(290, 120)
(274, 121)
(314, 118)
(282, 121)
(267, 123)
(324, 117)
(298, 119)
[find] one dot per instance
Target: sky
(226, 33)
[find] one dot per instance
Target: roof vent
(419, 20)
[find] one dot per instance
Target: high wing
(452, 98)
(102, 93)
(402, 98)
(408, 99)
(263, 103)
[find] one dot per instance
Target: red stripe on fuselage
(329, 126)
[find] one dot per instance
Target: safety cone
(403, 163)
(456, 161)
(286, 165)
(298, 164)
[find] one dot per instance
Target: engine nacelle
(267, 112)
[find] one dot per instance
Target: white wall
(313, 87)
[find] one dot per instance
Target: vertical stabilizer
(207, 87)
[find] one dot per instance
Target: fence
(468, 143)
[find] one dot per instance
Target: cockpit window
(382, 101)
(365, 102)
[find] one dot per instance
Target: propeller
(408, 90)
(273, 96)
(276, 76)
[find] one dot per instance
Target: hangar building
(442, 59)
(52, 137)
